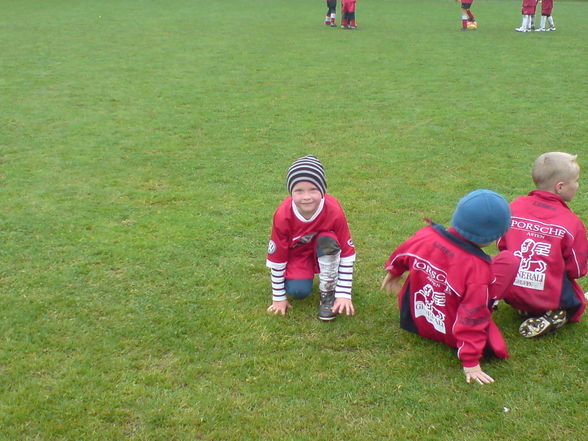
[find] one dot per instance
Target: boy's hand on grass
(343, 306)
(279, 307)
(391, 284)
(476, 373)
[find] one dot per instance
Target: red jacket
(445, 296)
(292, 238)
(551, 242)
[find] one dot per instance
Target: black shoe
(326, 306)
(548, 322)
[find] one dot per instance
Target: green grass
(143, 151)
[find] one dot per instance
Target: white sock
(550, 20)
(532, 21)
(333, 16)
(543, 19)
(329, 270)
(526, 20)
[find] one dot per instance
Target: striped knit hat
(307, 168)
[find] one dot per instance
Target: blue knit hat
(482, 216)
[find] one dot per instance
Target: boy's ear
(558, 186)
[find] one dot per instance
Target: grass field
(143, 149)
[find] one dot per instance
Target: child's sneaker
(550, 29)
(540, 30)
(522, 29)
(548, 322)
(344, 27)
(352, 27)
(326, 306)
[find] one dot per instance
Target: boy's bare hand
(476, 373)
(343, 306)
(391, 284)
(279, 307)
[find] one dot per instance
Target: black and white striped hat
(307, 168)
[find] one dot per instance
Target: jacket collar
(549, 197)
(464, 244)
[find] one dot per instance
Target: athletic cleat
(540, 30)
(522, 29)
(550, 29)
(333, 25)
(353, 28)
(548, 322)
(326, 306)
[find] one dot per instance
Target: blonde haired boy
(551, 242)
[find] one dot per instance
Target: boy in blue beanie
(449, 290)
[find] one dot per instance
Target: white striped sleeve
(345, 278)
(278, 280)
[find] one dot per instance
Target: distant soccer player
(348, 12)
(528, 12)
(310, 235)
(547, 23)
(552, 245)
(468, 21)
(331, 13)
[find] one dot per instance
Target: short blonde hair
(553, 167)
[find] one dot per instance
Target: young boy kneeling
(310, 235)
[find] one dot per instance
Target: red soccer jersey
(551, 242)
(445, 297)
(292, 240)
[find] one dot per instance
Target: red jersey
(292, 242)
(551, 243)
(445, 296)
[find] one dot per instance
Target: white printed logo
(271, 248)
(426, 301)
(532, 269)
(434, 274)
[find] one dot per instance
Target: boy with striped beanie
(310, 235)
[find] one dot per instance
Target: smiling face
(307, 198)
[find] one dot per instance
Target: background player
(331, 13)
(348, 12)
